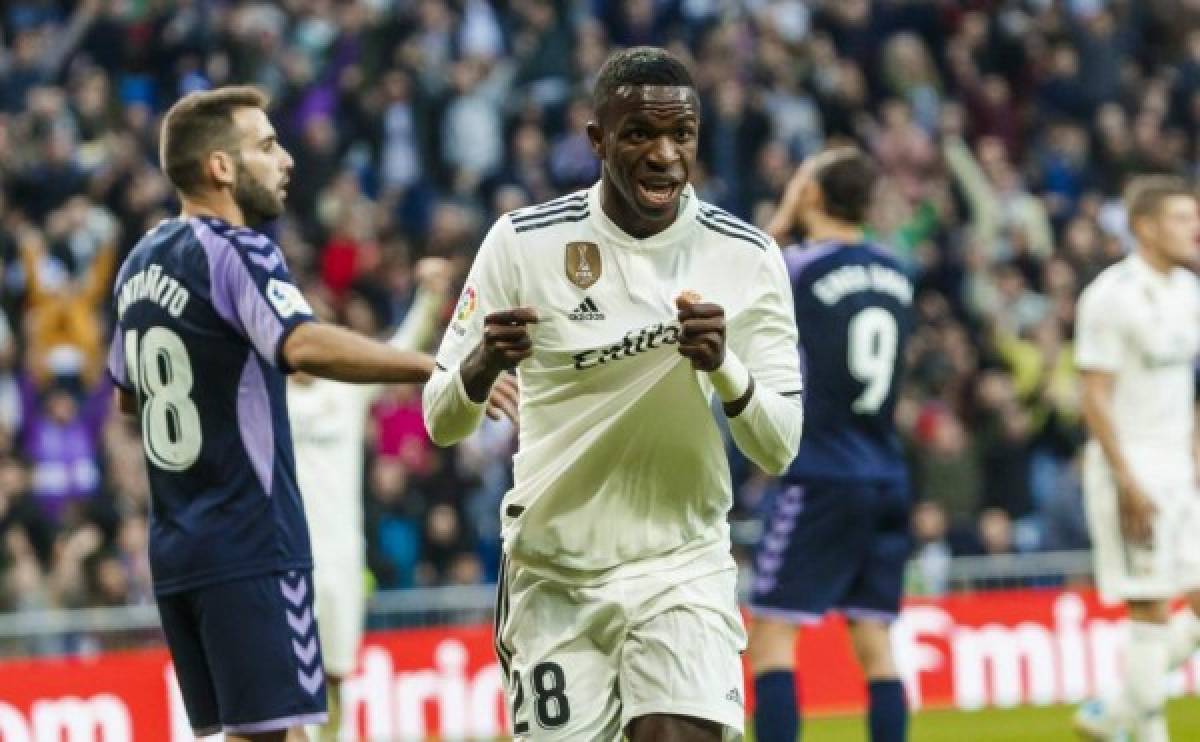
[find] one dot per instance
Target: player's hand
(702, 335)
(787, 215)
(433, 275)
(505, 343)
(1137, 512)
(504, 397)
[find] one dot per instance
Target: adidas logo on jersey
(734, 695)
(587, 310)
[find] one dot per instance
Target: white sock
(1183, 636)
(1145, 676)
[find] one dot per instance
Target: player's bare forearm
(1096, 403)
(784, 219)
(478, 376)
(780, 227)
(433, 282)
(339, 354)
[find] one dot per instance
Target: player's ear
(1144, 228)
(595, 136)
(221, 167)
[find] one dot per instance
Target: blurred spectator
(62, 429)
(932, 553)
(995, 533)
(66, 281)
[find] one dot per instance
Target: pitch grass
(1045, 724)
(1025, 724)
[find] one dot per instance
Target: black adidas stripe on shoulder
(721, 215)
(732, 232)
(539, 224)
(570, 208)
(575, 200)
(722, 221)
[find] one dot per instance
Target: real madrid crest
(583, 263)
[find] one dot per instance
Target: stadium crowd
(1004, 129)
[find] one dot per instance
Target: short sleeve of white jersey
(1098, 329)
(450, 415)
(764, 337)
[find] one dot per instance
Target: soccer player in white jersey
(329, 426)
(624, 308)
(1138, 332)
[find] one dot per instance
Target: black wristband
(735, 408)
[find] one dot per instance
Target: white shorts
(341, 612)
(582, 662)
(1163, 569)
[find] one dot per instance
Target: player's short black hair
(847, 182)
(639, 65)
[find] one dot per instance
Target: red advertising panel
(969, 651)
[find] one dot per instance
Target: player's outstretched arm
(433, 283)
(336, 353)
(760, 381)
(488, 334)
(453, 399)
(783, 221)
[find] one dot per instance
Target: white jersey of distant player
(621, 467)
(329, 422)
(1144, 328)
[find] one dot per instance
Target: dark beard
(258, 205)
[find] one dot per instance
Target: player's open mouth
(657, 193)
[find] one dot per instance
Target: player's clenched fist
(702, 332)
(505, 343)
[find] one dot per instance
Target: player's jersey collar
(614, 234)
(1147, 272)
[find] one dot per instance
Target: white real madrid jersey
(621, 465)
(329, 426)
(1143, 327)
(329, 421)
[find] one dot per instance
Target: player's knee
(873, 648)
(878, 666)
(672, 728)
(772, 646)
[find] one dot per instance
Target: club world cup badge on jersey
(583, 263)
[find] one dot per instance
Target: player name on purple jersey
(854, 312)
(203, 310)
